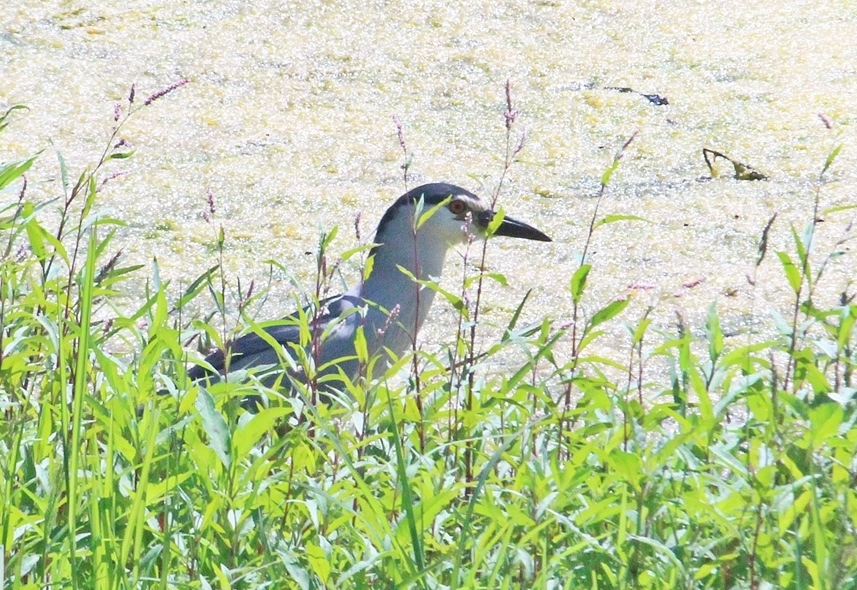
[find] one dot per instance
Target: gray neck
(388, 287)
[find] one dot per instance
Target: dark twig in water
(742, 171)
(655, 99)
(763, 241)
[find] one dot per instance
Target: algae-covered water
(287, 121)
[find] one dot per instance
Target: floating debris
(655, 99)
(742, 171)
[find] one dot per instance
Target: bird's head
(447, 214)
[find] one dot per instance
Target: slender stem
(510, 153)
(414, 357)
(805, 279)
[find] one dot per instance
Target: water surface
(288, 121)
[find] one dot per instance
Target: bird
(390, 304)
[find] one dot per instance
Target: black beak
(513, 228)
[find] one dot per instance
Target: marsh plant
(117, 472)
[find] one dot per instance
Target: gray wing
(251, 350)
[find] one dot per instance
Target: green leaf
(496, 221)
(196, 287)
(830, 158)
(608, 174)
(846, 325)
(367, 268)
(497, 278)
(640, 330)
(91, 193)
(792, 272)
(838, 209)
(609, 311)
(422, 217)
(36, 237)
(408, 499)
(121, 155)
(743, 355)
(247, 435)
(578, 282)
(319, 561)
(627, 465)
(825, 421)
(514, 321)
(14, 107)
(615, 218)
(453, 299)
(81, 350)
(63, 171)
(13, 170)
(356, 250)
(714, 334)
(803, 243)
(813, 375)
(361, 348)
(214, 425)
(326, 238)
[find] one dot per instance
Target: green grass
(575, 472)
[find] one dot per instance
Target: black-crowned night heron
(389, 304)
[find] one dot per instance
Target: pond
(287, 121)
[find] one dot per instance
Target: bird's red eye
(457, 207)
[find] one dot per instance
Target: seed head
(164, 91)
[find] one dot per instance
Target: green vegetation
(573, 473)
